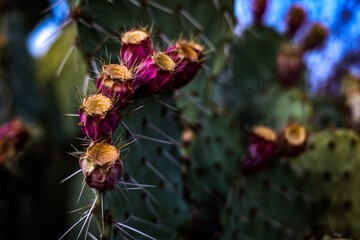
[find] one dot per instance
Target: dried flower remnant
(116, 81)
(101, 166)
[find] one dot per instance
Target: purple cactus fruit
(116, 81)
(294, 19)
(136, 46)
(14, 135)
(188, 57)
(98, 117)
(155, 73)
(289, 65)
(292, 140)
(259, 8)
(101, 166)
(261, 148)
(316, 37)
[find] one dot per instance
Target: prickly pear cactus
(330, 165)
(212, 155)
(261, 199)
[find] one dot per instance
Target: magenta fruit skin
(288, 69)
(99, 127)
(295, 19)
(259, 7)
(133, 55)
(260, 151)
(150, 78)
(185, 69)
(123, 92)
(101, 180)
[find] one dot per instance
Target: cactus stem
(68, 177)
(102, 212)
(103, 224)
(121, 226)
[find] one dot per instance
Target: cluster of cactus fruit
(143, 73)
(220, 190)
(265, 144)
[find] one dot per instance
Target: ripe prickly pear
(188, 57)
(259, 8)
(101, 166)
(116, 81)
(315, 38)
(99, 117)
(289, 65)
(261, 148)
(136, 46)
(296, 16)
(13, 137)
(155, 73)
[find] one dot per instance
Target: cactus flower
(98, 117)
(155, 73)
(136, 46)
(116, 81)
(292, 140)
(188, 57)
(101, 166)
(294, 19)
(289, 65)
(261, 148)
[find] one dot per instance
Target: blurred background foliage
(42, 79)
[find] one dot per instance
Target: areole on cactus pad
(101, 166)
(98, 117)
